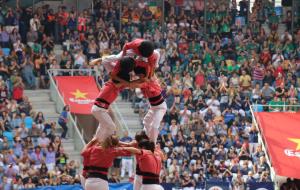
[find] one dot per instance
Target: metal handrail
(262, 140)
(119, 117)
(90, 72)
(285, 106)
(72, 71)
(264, 146)
(71, 119)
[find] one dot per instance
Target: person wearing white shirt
(185, 116)
(277, 58)
(35, 23)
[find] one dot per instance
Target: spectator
(27, 71)
(63, 120)
(127, 162)
(227, 69)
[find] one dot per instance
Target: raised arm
(89, 144)
(132, 150)
(124, 144)
(95, 61)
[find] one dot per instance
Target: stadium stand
(209, 80)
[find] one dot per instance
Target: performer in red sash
(100, 159)
(149, 163)
(145, 67)
(119, 79)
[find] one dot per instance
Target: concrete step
(45, 111)
(51, 118)
(39, 99)
(39, 91)
(42, 106)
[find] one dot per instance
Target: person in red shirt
(119, 79)
(149, 84)
(85, 153)
(149, 163)
(100, 157)
(141, 48)
(151, 89)
(138, 178)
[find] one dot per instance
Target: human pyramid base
(133, 67)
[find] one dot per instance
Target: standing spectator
(127, 161)
(27, 71)
(35, 23)
(63, 120)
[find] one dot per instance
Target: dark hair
(140, 136)
(146, 48)
(127, 64)
(146, 144)
(65, 107)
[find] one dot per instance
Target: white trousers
(138, 182)
(96, 184)
(109, 62)
(152, 120)
(106, 125)
(152, 187)
(188, 188)
(82, 181)
(127, 165)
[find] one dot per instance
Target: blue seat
(6, 51)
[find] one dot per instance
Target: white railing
(277, 108)
(73, 72)
(119, 118)
(261, 140)
(56, 96)
(73, 132)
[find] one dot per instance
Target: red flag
(78, 91)
(281, 132)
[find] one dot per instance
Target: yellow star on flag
(296, 141)
(79, 94)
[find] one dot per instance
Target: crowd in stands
(209, 81)
(31, 150)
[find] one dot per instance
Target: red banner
(281, 132)
(79, 92)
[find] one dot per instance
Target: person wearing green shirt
(129, 27)
(152, 25)
(214, 28)
(209, 15)
(218, 16)
(273, 20)
(194, 47)
(232, 66)
(36, 48)
(252, 46)
(276, 104)
(223, 68)
(241, 58)
(225, 28)
(206, 58)
(288, 49)
(219, 58)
